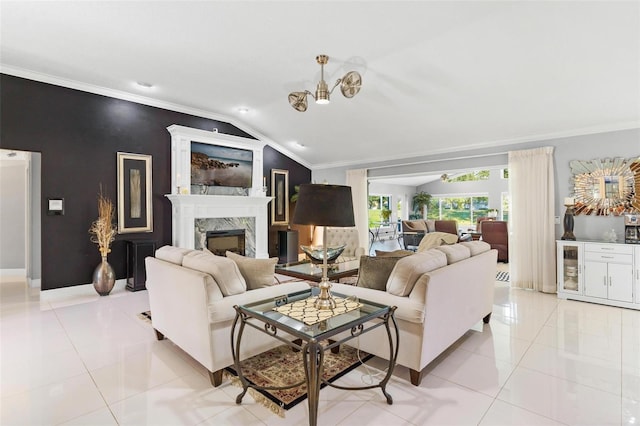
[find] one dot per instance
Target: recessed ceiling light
(144, 85)
(298, 145)
(243, 110)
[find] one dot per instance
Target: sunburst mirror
(606, 187)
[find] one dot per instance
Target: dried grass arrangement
(103, 231)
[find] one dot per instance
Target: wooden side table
(137, 251)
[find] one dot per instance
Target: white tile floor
(71, 357)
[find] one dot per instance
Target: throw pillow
(455, 253)
(394, 253)
(224, 271)
(257, 273)
(435, 239)
(476, 247)
(374, 271)
(409, 269)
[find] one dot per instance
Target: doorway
(20, 217)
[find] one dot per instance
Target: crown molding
(372, 162)
(411, 157)
(145, 100)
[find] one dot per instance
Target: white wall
(13, 214)
(397, 192)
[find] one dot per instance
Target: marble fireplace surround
(192, 214)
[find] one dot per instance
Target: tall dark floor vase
(104, 278)
(568, 225)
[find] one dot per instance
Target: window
(475, 175)
(504, 206)
(505, 173)
(463, 209)
(378, 204)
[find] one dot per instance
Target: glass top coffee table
(313, 272)
(280, 318)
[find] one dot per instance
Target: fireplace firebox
(233, 240)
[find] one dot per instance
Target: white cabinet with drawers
(597, 272)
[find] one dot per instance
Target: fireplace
(216, 212)
(219, 242)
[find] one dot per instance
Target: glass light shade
(316, 254)
(322, 93)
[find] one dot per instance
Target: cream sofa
(453, 290)
(439, 293)
(192, 301)
(339, 236)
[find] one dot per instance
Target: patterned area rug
(281, 366)
(502, 276)
(145, 316)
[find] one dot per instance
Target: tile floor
(71, 357)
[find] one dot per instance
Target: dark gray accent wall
(78, 135)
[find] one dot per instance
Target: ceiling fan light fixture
(350, 85)
(322, 93)
(298, 100)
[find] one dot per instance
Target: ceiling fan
(350, 85)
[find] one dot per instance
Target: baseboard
(13, 272)
(34, 282)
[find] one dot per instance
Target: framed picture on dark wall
(135, 210)
(280, 194)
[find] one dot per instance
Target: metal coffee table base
(313, 357)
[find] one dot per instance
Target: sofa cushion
(223, 270)
(257, 273)
(408, 269)
(222, 311)
(408, 309)
(455, 252)
(374, 271)
(394, 253)
(477, 247)
(172, 254)
(436, 239)
(431, 225)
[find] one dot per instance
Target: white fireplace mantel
(187, 208)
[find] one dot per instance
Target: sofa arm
(178, 298)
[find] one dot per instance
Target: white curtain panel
(357, 180)
(531, 220)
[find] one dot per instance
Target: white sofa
(453, 291)
(196, 312)
(439, 294)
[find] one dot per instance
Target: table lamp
(324, 205)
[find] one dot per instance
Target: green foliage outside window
(464, 210)
(378, 205)
(475, 175)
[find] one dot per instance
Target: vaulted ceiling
(438, 76)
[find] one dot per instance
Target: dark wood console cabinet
(137, 251)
